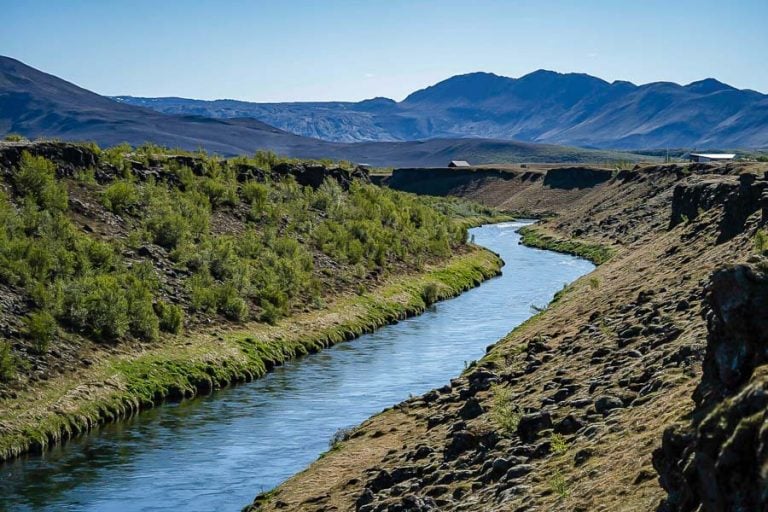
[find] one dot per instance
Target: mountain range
(36, 104)
(478, 117)
(541, 107)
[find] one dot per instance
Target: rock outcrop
(67, 157)
(314, 175)
(72, 157)
(719, 461)
(739, 197)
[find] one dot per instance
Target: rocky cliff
(70, 158)
(539, 190)
(719, 460)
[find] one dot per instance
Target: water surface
(216, 453)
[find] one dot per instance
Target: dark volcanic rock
(531, 424)
(606, 403)
(720, 461)
(471, 409)
(315, 175)
(67, 157)
(461, 441)
(740, 199)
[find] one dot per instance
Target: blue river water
(215, 453)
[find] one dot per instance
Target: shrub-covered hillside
(122, 245)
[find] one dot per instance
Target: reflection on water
(219, 451)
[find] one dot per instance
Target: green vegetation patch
(204, 364)
(535, 237)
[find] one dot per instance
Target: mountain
(36, 104)
(542, 107)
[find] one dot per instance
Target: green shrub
(761, 241)
(142, 321)
(431, 293)
(202, 293)
(255, 194)
(14, 137)
(218, 193)
(86, 176)
(36, 178)
(7, 362)
(231, 305)
(97, 305)
(120, 197)
(171, 317)
(169, 230)
(559, 485)
(270, 313)
(504, 413)
(41, 329)
(558, 444)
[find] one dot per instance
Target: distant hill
(36, 104)
(543, 106)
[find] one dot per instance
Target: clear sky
(296, 50)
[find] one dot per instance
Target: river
(215, 453)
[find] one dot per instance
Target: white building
(711, 157)
(459, 163)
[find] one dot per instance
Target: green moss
(596, 253)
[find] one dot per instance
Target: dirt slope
(540, 190)
(566, 411)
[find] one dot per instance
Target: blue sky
(296, 50)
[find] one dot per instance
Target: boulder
(531, 424)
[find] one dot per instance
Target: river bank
(119, 386)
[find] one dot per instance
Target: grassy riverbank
(117, 386)
(537, 237)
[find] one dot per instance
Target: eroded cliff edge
(719, 459)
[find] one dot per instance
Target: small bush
(558, 443)
(232, 305)
(761, 241)
(218, 193)
(171, 317)
(86, 176)
(170, 230)
(7, 362)
(36, 178)
(255, 194)
(41, 328)
(142, 321)
(505, 414)
(97, 305)
(269, 313)
(559, 485)
(431, 293)
(202, 293)
(120, 197)
(14, 137)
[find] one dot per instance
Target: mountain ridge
(39, 105)
(541, 107)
